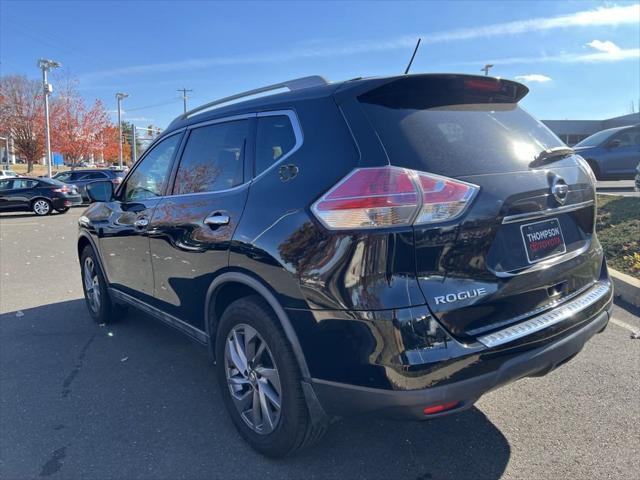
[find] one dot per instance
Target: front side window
(213, 158)
(274, 139)
(628, 138)
(150, 177)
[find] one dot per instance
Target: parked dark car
(612, 154)
(398, 245)
(38, 195)
(80, 178)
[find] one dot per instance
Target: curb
(626, 287)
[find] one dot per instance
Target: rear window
(426, 126)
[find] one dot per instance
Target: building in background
(574, 131)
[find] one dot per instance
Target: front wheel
(260, 380)
(41, 207)
(96, 294)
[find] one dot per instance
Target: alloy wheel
(91, 284)
(41, 207)
(253, 379)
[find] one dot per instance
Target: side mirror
(613, 144)
(100, 191)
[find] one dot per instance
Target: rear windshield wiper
(551, 154)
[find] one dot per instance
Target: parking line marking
(622, 324)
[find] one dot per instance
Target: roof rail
(295, 84)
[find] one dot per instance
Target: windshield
(595, 139)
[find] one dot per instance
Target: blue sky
(581, 59)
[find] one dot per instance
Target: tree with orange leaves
(76, 129)
(22, 116)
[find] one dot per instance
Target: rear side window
(274, 139)
(24, 183)
(213, 158)
(427, 126)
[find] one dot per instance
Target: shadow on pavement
(138, 400)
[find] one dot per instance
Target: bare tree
(22, 117)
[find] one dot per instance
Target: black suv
(397, 245)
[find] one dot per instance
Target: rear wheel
(96, 294)
(260, 381)
(41, 207)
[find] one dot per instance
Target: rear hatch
(519, 247)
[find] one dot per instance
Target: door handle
(141, 223)
(217, 220)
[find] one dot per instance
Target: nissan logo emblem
(559, 189)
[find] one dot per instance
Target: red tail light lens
(443, 198)
(63, 189)
(391, 196)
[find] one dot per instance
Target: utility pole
(184, 97)
(47, 65)
(134, 153)
(486, 68)
(119, 97)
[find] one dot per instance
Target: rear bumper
(486, 370)
(67, 201)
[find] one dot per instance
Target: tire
(41, 207)
(291, 428)
(62, 210)
(596, 170)
(101, 306)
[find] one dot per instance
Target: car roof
(617, 129)
(267, 102)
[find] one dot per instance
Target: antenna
(413, 56)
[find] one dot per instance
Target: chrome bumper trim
(556, 315)
(546, 213)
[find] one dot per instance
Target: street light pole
(119, 97)
(47, 65)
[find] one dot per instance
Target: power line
(166, 102)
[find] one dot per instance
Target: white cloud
(533, 77)
(607, 46)
(594, 57)
(609, 16)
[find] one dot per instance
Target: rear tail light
(63, 189)
(392, 196)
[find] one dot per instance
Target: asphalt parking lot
(138, 400)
